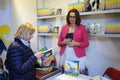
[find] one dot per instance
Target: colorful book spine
(112, 28)
(80, 6)
(44, 12)
(112, 4)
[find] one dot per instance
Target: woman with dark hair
(73, 40)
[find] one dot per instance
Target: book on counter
(71, 67)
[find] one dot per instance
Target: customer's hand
(47, 62)
(39, 54)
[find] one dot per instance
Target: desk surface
(45, 76)
(55, 74)
(80, 77)
(68, 77)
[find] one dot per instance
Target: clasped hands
(70, 42)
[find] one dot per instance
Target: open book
(48, 55)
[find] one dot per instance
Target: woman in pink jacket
(73, 40)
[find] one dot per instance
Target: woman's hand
(39, 54)
(73, 43)
(66, 41)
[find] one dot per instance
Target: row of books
(45, 12)
(112, 28)
(112, 4)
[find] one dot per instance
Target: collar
(27, 43)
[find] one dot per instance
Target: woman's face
(72, 18)
(28, 36)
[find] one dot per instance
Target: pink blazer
(80, 35)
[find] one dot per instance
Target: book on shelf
(71, 67)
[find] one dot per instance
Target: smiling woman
(73, 40)
(3, 3)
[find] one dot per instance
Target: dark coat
(20, 61)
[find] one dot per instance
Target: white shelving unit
(105, 35)
(48, 34)
(90, 35)
(101, 12)
(114, 11)
(56, 17)
(48, 17)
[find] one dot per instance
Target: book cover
(48, 55)
(41, 49)
(71, 67)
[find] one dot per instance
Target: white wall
(25, 11)
(102, 52)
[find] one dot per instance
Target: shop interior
(104, 45)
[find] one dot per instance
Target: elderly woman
(21, 60)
